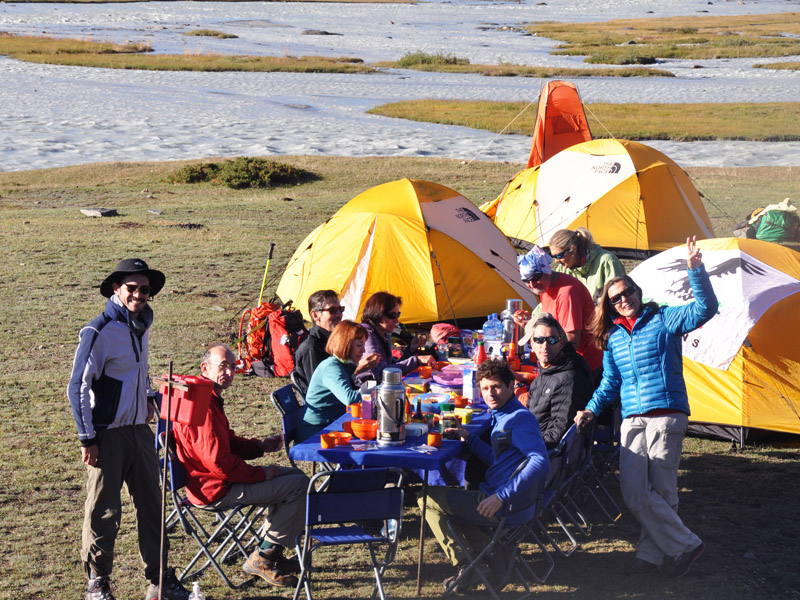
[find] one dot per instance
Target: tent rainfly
(560, 122)
(634, 200)
(415, 239)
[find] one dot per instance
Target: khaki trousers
(285, 499)
(445, 502)
(126, 455)
(648, 469)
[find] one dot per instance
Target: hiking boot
(639, 567)
(681, 565)
(99, 589)
(267, 565)
(287, 565)
(171, 588)
(466, 584)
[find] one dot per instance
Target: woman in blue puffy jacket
(643, 367)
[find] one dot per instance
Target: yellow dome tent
(415, 239)
(631, 197)
(742, 368)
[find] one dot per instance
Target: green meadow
(211, 241)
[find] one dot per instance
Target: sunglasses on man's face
(143, 289)
(617, 298)
(392, 315)
(561, 254)
(334, 310)
(550, 339)
(534, 278)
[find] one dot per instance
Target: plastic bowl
(341, 437)
(365, 429)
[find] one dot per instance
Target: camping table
(391, 456)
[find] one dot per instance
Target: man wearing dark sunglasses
(109, 394)
(564, 384)
(326, 313)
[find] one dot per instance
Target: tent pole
(444, 285)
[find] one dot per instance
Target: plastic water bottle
(493, 335)
(197, 593)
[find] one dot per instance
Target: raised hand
(694, 258)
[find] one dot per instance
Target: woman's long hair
(581, 238)
(605, 313)
(378, 304)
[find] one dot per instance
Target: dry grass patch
(448, 63)
(211, 33)
(780, 66)
(643, 41)
(774, 121)
(106, 55)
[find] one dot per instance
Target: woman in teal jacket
(331, 389)
(643, 367)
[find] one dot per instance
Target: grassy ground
(642, 41)
(786, 66)
(211, 241)
(773, 121)
(85, 53)
(448, 63)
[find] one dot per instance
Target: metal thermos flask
(511, 331)
(391, 406)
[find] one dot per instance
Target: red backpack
(270, 339)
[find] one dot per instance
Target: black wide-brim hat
(133, 266)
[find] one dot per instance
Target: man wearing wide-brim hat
(109, 394)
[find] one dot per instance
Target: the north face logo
(466, 215)
(607, 168)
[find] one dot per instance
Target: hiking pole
(164, 486)
(266, 270)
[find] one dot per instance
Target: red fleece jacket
(214, 456)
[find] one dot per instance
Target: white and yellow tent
(630, 196)
(742, 368)
(415, 239)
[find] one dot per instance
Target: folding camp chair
(231, 533)
(603, 466)
(338, 501)
(296, 384)
(292, 411)
(571, 449)
(513, 527)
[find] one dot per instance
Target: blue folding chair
(514, 526)
(338, 503)
(285, 399)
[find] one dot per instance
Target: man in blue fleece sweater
(515, 440)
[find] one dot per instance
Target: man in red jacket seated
(217, 475)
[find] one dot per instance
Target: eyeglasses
(224, 366)
(551, 339)
(617, 298)
(334, 310)
(143, 289)
(562, 254)
(533, 278)
(392, 315)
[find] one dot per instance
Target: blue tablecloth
(446, 464)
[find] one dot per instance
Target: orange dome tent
(560, 122)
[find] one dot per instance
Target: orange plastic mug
(327, 441)
(425, 372)
(355, 410)
(347, 426)
(435, 439)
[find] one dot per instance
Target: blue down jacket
(645, 367)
